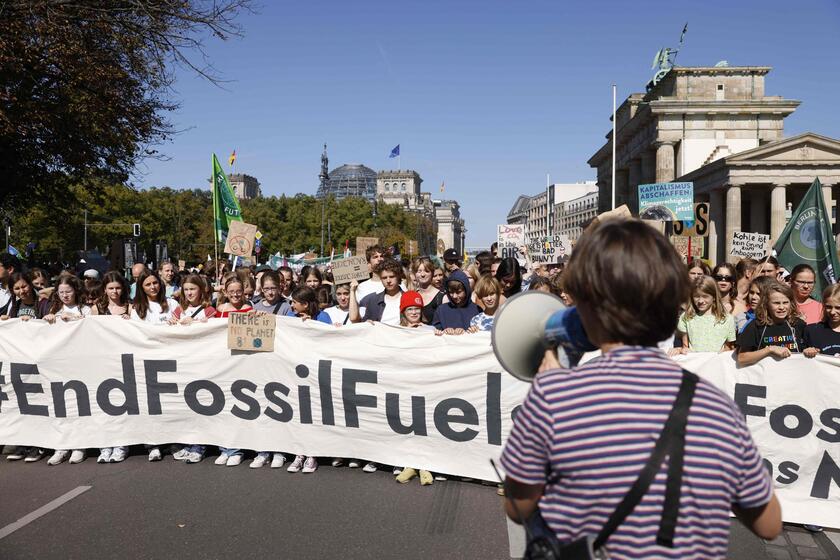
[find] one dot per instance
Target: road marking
(834, 537)
(43, 510)
(516, 539)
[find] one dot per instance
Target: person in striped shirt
(583, 435)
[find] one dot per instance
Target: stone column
(733, 215)
(664, 162)
(758, 211)
(828, 202)
(778, 199)
(648, 167)
(633, 179)
(620, 187)
(717, 228)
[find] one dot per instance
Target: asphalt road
(138, 509)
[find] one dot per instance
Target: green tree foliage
(184, 220)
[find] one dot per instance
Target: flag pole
(215, 228)
(614, 141)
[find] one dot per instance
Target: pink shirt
(812, 310)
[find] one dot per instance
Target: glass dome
(350, 180)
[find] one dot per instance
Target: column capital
(658, 143)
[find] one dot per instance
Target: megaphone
(532, 322)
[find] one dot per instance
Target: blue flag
(14, 252)
(395, 152)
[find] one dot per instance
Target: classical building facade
(518, 213)
(572, 214)
(244, 186)
(450, 226)
(692, 117)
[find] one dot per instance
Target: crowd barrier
(367, 391)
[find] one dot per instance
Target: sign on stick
(683, 244)
(240, 239)
(362, 243)
(550, 250)
(699, 227)
(510, 239)
(749, 245)
(349, 269)
(666, 202)
(251, 332)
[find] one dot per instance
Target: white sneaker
(104, 455)
(234, 460)
(181, 454)
(18, 454)
(260, 460)
(119, 454)
(338, 462)
(77, 456)
(59, 456)
(278, 461)
(221, 459)
(310, 465)
(296, 465)
(35, 454)
(397, 470)
(194, 457)
(370, 467)
(155, 454)
(354, 463)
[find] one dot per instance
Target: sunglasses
(722, 278)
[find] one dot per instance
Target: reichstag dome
(350, 180)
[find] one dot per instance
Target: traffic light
(136, 230)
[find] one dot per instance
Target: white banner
(374, 392)
(367, 391)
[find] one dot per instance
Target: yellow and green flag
(225, 206)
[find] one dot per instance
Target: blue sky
(486, 96)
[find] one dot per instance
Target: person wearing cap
(411, 311)
(91, 277)
(452, 260)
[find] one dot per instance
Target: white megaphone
(530, 323)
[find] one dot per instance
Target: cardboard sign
(510, 238)
(182, 265)
(362, 243)
(699, 227)
(349, 269)
(251, 332)
(240, 239)
(667, 202)
(550, 250)
(622, 212)
(681, 245)
(753, 245)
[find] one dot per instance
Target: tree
(85, 88)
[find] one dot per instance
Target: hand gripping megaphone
(530, 323)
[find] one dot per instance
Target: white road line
(834, 537)
(43, 510)
(516, 539)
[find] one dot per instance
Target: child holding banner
(706, 326)
(754, 292)
(65, 302)
(777, 329)
(305, 306)
(193, 302)
(488, 290)
(423, 270)
(824, 337)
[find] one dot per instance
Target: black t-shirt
(823, 338)
(756, 336)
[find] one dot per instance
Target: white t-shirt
(5, 297)
(155, 313)
(338, 316)
(71, 311)
(391, 314)
(372, 286)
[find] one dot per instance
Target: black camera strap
(671, 442)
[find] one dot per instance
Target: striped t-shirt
(591, 429)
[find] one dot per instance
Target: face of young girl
(412, 315)
(832, 311)
(437, 278)
(151, 286)
(342, 296)
(235, 293)
(696, 274)
(803, 284)
(114, 291)
(312, 282)
(38, 282)
(753, 297)
(423, 276)
(490, 301)
(299, 307)
(724, 279)
(270, 291)
(192, 293)
(779, 306)
(66, 294)
(702, 301)
(22, 290)
(456, 293)
(767, 269)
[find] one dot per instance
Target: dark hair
(141, 300)
(508, 266)
(94, 292)
(610, 274)
(697, 263)
(202, 285)
(270, 275)
(113, 276)
(16, 302)
(485, 261)
(68, 280)
(373, 249)
(391, 266)
(744, 266)
(771, 260)
(733, 289)
(313, 271)
(10, 261)
(323, 295)
(40, 273)
(802, 268)
(284, 270)
(307, 297)
(539, 282)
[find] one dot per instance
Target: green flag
(225, 206)
(807, 239)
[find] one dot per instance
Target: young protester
(193, 301)
(40, 279)
(271, 290)
(150, 302)
(452, 261)
(754, 292)
(423, 270)
(340, 312)
(510, 276)
(454, 316)
(438, 277)
(24, 304)
(768, 266)
(697, 269)
(258, 274)
(287, 275)
(540, 284)
(494, 266)
(114, 299)
(556, 478)
(375, 256)
(777, 329)
(66, 302)
(323, 295)
(824, 337)
(724, 274)
(305, 306)
(488, 290)
(168, 275)
(705, 326)
(411, 311)
(744, 272)
(312, 278)
(802, 281)
(383, 307)
(90, 278)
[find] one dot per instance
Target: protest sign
(699, 226)
(550, 250)
(349, 269)
(182, 265)
(681, 244)
(240, 239)
(510, 239)
(251, 332)
(362, 243)
(666, 201)
(749, 245)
